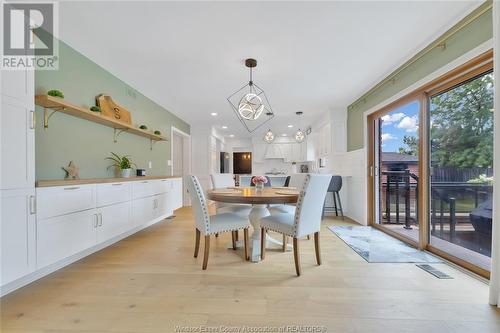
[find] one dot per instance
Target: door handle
(33, 119)
(32, 204)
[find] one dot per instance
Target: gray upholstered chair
(215, 224)
(305, 221)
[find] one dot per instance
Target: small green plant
(120, 162)
(55, 93)
(482, 179)
(143, 127)
(95, 109)
(157, 132)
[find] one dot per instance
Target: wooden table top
(249, 195)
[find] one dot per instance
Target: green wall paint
(88, 143)
(469, 37)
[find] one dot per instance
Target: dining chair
(296, 181)
(214, 224)
(305, 221)
(225, 180)
(334, 188)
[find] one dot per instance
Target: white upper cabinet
(17, 130)
(259, 151)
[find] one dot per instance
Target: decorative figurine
(72, 171)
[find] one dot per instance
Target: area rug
(375, 246)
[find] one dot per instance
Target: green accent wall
(468, 38)
(88, 143)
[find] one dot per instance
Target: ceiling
(312, 56)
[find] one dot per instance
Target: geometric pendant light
(299, 135)
(250, 103)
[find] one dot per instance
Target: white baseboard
(38, 274)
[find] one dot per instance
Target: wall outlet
(150, 164)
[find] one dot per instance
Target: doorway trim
(187, 156)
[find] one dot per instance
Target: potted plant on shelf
(259, 182)
(122, 163)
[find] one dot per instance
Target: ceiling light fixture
(224, 127)
(299, 135)
(250, 102)
(284, 134)
(213, 114)
(290, 126)
(269, 136)
(231, 135)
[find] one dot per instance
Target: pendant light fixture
(269, 136)
(299, 135)
(250, 102)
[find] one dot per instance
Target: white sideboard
(75, 220)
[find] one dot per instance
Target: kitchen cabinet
(176, 193)
(61, 237)
(113, 220)
(19, 85)
(143, 210)
(17, 234)
(61, 200)
(17, 144)
(109, 194)
(259, 151)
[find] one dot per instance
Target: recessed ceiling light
(213, 114)
(290, 126)
(284, 134)
(231, 135)
(224, 127)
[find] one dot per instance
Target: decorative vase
(259, 186)
(126, 173)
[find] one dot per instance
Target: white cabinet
(18, 84)
(108, 194)
(323, 141)
(163, 206)
(63, 236)
(143, 210)
(259, 151)
(17, 144)
(18, 234)
(113, 220)
(176, 193)
(60, 200)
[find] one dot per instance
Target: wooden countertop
(65, 182)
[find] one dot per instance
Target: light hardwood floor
(150, 282)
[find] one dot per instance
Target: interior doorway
(181, 158)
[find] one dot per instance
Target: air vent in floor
(434, 271)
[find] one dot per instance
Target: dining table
(260, 199)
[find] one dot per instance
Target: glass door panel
(461, 161)
(396, 170)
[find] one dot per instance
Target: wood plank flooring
(150, 282)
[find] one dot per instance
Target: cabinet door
(18, 145)
(259, 150)
(18, 84)
(113, 221)
(63, 236)
(143, 210)
(176, 193)
(287, 151)
(18, 234)
(163, 207)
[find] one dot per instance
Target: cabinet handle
(33, 119)
(119, 184)
(32, 203)
(72, 188)
(95, 220)
(145, 182)
(100, 219)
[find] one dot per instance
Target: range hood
(273, 151)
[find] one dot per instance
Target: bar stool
(334, 188)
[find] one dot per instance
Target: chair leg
(197, 243)
(217, 235)
(317, 248)
(285, 242)
(262, 243)
(308, 237)
(236, 235)
(335, 204)
(233, 238)
(207, 250)
(246, 241)
(340, 206)
(296, 255)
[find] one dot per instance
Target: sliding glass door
(461, 161)
(431, 166)
(396, 169)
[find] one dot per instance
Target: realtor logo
(29, 36)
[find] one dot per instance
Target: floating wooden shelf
(60, 105)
